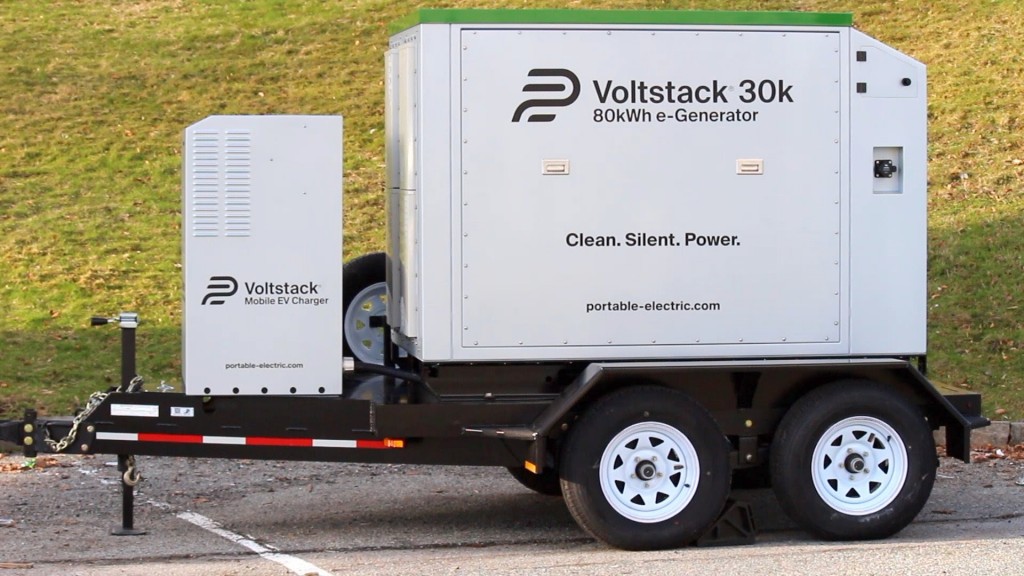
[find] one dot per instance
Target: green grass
(94, 97)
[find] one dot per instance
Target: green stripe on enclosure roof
(712, 17)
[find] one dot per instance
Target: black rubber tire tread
(356, 275)
(599, 424)
(800, 430)
(546, 483)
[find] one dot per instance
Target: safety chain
(95, 399)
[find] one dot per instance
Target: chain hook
(131, 476)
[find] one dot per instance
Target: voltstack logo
(571, 81)
(219, 288)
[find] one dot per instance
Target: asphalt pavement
(255, 518)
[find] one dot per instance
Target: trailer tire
(645, 468)
(546, 483)
(364, 294)
(853, 460)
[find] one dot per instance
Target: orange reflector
(390, 443)
(530, 466)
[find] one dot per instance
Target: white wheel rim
(859, 466)
(367, 343)
(649, 472)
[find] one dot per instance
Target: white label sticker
(182, 411)
(140, 410)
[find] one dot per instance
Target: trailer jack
(130, 476)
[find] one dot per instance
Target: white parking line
(296, 565)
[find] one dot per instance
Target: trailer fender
(958, 412)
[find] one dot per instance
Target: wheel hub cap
(646, 470)
(854, 463)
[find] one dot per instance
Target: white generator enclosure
(262, 255)
(654, 190)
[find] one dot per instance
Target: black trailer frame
(511, 415)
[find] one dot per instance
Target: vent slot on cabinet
(221, 183)
(237, 183)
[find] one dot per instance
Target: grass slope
(94, 96)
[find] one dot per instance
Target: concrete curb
(998, 435)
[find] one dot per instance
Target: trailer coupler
(18, 431)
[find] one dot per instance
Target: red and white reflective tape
(248, 440)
